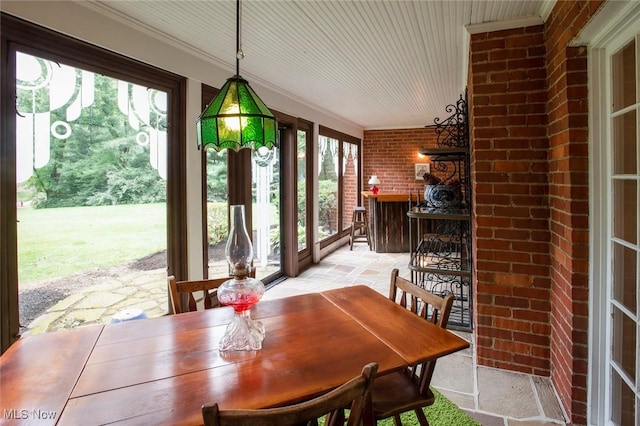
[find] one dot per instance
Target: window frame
(305, 256)
(24, 36)
(604, 38)
(341, 137)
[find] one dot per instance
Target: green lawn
(441, 413)
(55, 243)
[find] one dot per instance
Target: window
(267, 209)
(38, 51)
(625, 215)
(614, 106)
(304, 182)
(339, 184)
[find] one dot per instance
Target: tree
(100, 163)
(328, 163)
(216, 176)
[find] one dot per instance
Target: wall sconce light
(374, 181)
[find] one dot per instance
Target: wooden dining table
(162, 370)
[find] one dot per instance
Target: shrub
(217, 222)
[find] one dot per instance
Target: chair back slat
(354, 395)
(427, 305)
(209, 295)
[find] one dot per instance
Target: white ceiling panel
(376, 63)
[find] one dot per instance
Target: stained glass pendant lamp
(236, 118)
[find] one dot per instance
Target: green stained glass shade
(236, 118)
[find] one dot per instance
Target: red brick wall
(391, 154)
(568, 201)
(528, 113)
(510, 186)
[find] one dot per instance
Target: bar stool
(359, 222)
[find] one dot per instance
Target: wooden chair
(209, 287)
(408, 390)
(354, 394)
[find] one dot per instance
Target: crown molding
(488, 27)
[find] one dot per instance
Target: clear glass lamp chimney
(239, 249)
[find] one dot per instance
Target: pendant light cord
(239, 52)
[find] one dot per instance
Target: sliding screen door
(93, 181)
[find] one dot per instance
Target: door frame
(18, 34)
(613, 27)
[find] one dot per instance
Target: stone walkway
(97, 304)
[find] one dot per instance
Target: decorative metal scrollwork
(459, 286)
(445, 248)
(453, 131)
(441, 260)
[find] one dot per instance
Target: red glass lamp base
(243, 333)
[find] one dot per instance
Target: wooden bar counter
(388, 221)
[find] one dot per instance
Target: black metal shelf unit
(440, 224)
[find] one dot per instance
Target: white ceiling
(377, 64)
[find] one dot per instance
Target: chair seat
(395, 393)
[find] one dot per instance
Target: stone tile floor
(494, 397)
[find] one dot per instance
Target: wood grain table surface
(162, 370)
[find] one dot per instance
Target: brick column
(510, 189)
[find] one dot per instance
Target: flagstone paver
(100, 298)
(98, 303)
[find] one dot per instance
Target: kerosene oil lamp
(242, 291)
